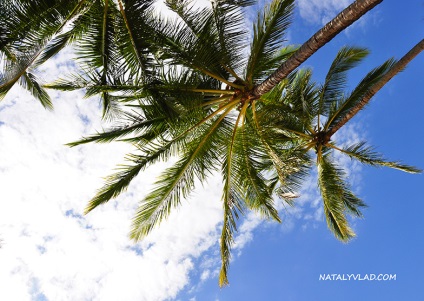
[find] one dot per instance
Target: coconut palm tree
(326, 113)
(196, 107)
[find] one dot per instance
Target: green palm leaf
(345, 104)
(29, 81)
(268, 36)
(144, 126)
(118, 182)
(367, 155)
(196, 41)
(337, 198)
(258, 195)
(44, 21)
(232, 196)
(132, 36)
(335, 80)
(198, 159)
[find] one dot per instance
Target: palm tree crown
(328, 105)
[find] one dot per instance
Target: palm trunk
(349, 15)
(398, 67)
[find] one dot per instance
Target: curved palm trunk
(349, 15)
(398, 67)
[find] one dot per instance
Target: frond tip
(367, 155)
(337, 198)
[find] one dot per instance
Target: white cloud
(50, 250)
(321, 11)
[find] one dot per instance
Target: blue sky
(52, 252)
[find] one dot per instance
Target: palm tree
(198, 104)
(187, 111)
(326, 111)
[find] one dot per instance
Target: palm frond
(29, 82)
(232, 204)
(279, 57)
(336, 78)
(231, 35)
(118, 182)
(96, 48)
(133, 36)
(144, 126)
(192, 41)
(31, 23)
(268, 36)
(158, 149)
(232, 196)
(367, 155)
(178, 181)
(27, 50)
(14, 70)
(345, 104)
(258, 194)
(78, 23)
(291, 106)
(337, 198)
(281, 150)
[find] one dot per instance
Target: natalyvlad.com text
(357, 277)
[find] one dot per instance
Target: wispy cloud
(321, 11)
(50, 249)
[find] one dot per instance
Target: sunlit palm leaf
(113, 134)
(258, 194)
(232, 196)
(178, 181)
(117, 183)
(345, 104)
(30, 83)
(335, 194)
(367, 155)
(336, 78)
(268, 35)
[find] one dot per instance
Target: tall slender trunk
(349, 15)
(398, 67)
